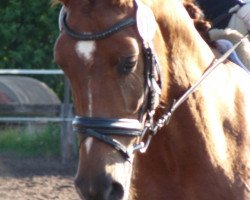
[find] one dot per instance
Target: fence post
(67, 137)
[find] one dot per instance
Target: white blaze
(90, 99)
(88, 144)
(85, 50)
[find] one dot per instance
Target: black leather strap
(108, 126)
(97, 35)
(110, 141)
(101, 128)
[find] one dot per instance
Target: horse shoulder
(226, 112)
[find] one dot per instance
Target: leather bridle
(97, 35)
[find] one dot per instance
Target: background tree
(28, 30)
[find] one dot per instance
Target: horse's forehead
(85, 50)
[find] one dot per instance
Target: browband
(97, 35)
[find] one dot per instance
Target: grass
(41, 143)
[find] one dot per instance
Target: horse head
(110, 68)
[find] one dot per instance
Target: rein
(164, 120)
(102, 128)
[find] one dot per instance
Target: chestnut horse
(124, 78)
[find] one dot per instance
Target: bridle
(103, 128)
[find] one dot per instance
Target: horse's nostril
(117, 191)
(111, 190)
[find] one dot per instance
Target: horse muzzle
(103, 187)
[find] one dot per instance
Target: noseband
(102, 128)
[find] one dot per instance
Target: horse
(129, 63)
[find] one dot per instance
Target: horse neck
(188, 55)
(187, 58)
(183, 154)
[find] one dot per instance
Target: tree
(28, 30)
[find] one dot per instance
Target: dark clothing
(215, 8)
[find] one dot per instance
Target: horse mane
(201, 24)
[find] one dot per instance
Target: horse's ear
(64, 2)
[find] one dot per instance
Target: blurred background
(38, 150)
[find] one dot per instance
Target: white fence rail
(31, 71)
(35, 119)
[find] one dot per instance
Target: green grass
(41, 143)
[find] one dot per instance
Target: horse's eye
(127, 64)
